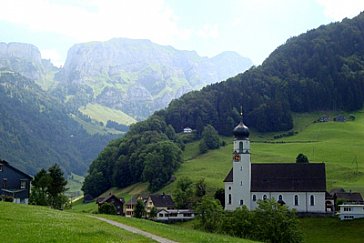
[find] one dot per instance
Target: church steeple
(241, 132)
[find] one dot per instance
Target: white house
(168, 215)
(351, 210)
(187, 130)
(301, 186)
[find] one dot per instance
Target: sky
(253, 28)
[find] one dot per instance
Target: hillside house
(130, 205)
(301, 186)
(351, 210)
(174, 215)
(187, 130)
(117, 202)
(14, 183)
(159, 202)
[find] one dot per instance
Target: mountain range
(66, 115)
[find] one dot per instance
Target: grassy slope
(103, 114)
(174, 232)
(338, 144)
(332, 230)
(23, 223)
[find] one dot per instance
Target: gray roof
(163, 200)
(286, 177)
(349, 196)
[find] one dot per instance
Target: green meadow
(25, 223)
(338, 144)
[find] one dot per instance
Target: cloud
(96, 19)
(339, 9)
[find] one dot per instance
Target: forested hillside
(36, 132)
(319, 70)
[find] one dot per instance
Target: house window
(229, 198)
(312, 200)
(161, 215)
(296, 200)
(264, 197)
(241, 146)
(1, 167)
(241, 202)
(254, 198)
(23, 184)
(5, 183)
(280, 198)
(347, 209)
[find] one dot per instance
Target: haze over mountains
(46, 110)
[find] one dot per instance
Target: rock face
(22, 58)
(138, 76)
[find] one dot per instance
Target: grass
(174, 232)
(93, 128)
(332, 230)
(103, 114)
(338, 144)
(25, 223)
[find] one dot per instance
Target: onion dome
(241, 131)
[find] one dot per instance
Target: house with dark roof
(159, 201)
(111, 198)
(301, 186)
(15, 183)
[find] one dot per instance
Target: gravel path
(136, 230)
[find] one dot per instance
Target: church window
(312, 200)
(241, 202)
(280, 198)
(229, 198)
(296, 200)
(241, 168)
(229, 188)
(241, 183)
(264, 197)
(254, 198)
(241, 146)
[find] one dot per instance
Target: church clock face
(236, 157)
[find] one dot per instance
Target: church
(301, 186)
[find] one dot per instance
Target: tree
(200, 188)
(56, 187)
(49, 187)
(153, 213)
(275, 223)
(238, 223)
(183, 194)
(210, 137)
(210, 214)
(301, 158)
(139, 210)
(107, 208)
(220, 195)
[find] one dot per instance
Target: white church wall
(228, 191)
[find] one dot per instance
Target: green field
(25, 223)
(338, 144)
(332, 230)
(173, 232)
(103, 114)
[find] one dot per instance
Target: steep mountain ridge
(139, 76)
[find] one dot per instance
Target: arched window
(229, 198)
(229, 188)
(241, 183)
(296, 200)
(241, 168)
(254, 198)
(241, 146)
(241, 202)
(312, 200)
(280, 198)
(264, 197)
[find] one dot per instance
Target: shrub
(107, 208)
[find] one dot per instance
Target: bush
(107, 208)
